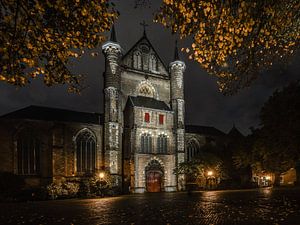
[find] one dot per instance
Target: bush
(63, 190)
(99, 187)
(84, 189)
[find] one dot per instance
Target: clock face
(144, 48)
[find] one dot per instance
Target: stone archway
(154, 176)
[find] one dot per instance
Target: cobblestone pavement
(264, 206)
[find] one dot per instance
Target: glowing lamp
(101, 175)
(210, 173)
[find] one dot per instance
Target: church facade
(138, 140)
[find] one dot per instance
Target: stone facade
(139, 139)
(143, 76)
(57, 148)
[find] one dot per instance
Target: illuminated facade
(139, 139)
(144, 116)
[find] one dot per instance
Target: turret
(177, 68)
(112, 52)
(112, 108)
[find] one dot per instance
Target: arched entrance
(154, 177)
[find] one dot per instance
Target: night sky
(204, 104)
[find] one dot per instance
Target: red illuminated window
(147, 117)
(161, 119)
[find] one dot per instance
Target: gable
(142, 57)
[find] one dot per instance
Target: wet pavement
(263, 206)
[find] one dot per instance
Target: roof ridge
(46, 113)
(47, 107)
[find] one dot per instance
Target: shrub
(84, 188)
(63, 189)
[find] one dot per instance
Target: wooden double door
(154, 181)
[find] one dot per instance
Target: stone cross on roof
(144, 26)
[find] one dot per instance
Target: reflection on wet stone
(265, 206)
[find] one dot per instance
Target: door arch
(154, 177)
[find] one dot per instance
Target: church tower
(177, 68)
(112, 108)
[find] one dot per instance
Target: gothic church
(139, 139)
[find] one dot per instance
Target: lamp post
(101, 176)
(210, 174)
(268, 180)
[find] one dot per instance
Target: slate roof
(203, 130)
(151, 103)
(54, 114)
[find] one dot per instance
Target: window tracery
(146, 143)
(85, 152)
(28, 153)
(145, 90)
(193, 149)
(152, 63)
(162, 144)
(137, 60)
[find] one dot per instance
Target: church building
(138, 140)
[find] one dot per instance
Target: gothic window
(193, 149)
(85, 152)
(137, 60)
(162, 144)
(145, 90)
(146, 143)
(152, 63)
(161, 119)
(28, 153)
(147, 117)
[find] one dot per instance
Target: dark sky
(204, 104)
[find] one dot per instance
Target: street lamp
(101, 182)
(268, 178)
(209, 173)
(101, 175)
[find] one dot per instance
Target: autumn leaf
(225, 32)
(41, 38)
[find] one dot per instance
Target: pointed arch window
(162, 144)
(28, 153)
(85, 152)
(193, 150)
(153, 63)
(137, 60)
(146, 143)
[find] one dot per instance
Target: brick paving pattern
(257, 207)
